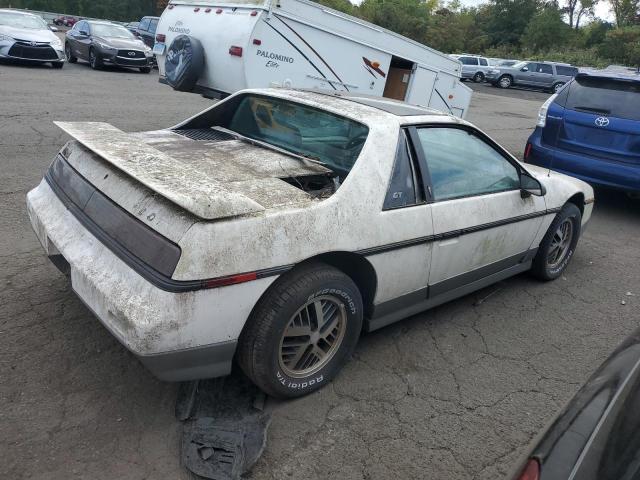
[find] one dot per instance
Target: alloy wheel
(560, 244)
(505, 82)
(312, 336)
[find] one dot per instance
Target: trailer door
(421, 86)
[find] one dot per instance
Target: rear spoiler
(180, 183)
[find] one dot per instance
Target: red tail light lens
(197, 9)
(254, 13)
(531, 471)
(218, 11)
(232, 280)
(207, 10)
(161, 38)
(235, 51)
(527, 150)
(257, 42)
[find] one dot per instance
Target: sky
(603, 9)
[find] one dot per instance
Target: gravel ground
(454, 393)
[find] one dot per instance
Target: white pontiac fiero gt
(277, 225)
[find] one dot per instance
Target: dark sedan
(104, 43)
(597, 435)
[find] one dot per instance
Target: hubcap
(505, 82)
(560, 244)
(312, 336)
(558, 87)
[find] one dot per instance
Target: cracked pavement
(454, 393)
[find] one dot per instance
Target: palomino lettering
(274, 56)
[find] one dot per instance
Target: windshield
(605, 96)
(114, 31)
(331, 139)
(18, 20)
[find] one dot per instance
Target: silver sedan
(25, 36)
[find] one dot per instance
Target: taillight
(161, 38)
(257, 42)
(219, 11)
(197, 9)
(527, 151)
(235, 51)
(254, 13)
(542, 113)
(231, 280)
(207, 10)
(531, 470)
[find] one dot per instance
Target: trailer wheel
(185, 61)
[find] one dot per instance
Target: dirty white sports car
(278, 225)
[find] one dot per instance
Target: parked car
(591, 130)
(104, 43)
(132, 26)
(65, 21)
(506, 63)
(596, 435)
(27, 37)
(146, 30)
(278, 224)
(473, 67)
(217, 48)
(545, 75)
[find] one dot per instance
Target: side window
(153, 26)
(566, 71)
(461, 164)
(532, 67)
(402, 187)
(544, 68)
(483, 62)
(469, 60)
(144, 24)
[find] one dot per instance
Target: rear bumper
(177, 336)
(595, 171)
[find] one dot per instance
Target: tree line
(528, 29)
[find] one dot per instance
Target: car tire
(556, 87)
(478, 77)
(145, 69)
(557, 249)
(69, 55)
(94, 60)
(57, 65)
(285, 318)
(184, 63)
(505, 81)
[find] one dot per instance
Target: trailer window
(333, 140)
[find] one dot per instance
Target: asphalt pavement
(454, 393)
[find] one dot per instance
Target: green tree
(546, 30)
(406, 17)
(508, 20)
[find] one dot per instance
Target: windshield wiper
(593, 109)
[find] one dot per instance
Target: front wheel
(302, 331)
(69, 54)
(559, 244)
(505, 81)
(478, 77)
(94, 61)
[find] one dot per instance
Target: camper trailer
(218, 48)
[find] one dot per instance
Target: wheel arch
(578, 200)
(356, 267)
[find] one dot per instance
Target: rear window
(566, 71)
(604, 96)
(316, 134)
(468, 60)
(483, 62)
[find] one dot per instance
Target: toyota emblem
(602, 121)
(133, 54)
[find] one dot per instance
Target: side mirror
(53, 29)
(530, 186)
(83, 33)
(524, 69)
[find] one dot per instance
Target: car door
(482, 224)
(544, 75)
(524, 76)
(150, 36)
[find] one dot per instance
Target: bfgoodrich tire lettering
(283, 323)
(559, 244)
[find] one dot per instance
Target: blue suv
(590, 129)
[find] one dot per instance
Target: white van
(301, 44)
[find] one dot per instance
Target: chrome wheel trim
(560, 244)
(557, 87)
(312, 336)
(505, 82)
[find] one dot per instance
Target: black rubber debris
(225, 426)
